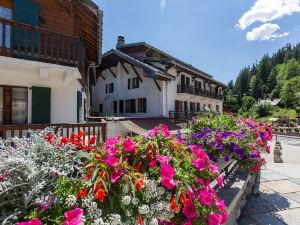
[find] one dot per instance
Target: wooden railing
(189, 89)
(38, 44)
(183, 115)
(97, 129)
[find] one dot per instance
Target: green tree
(247, 103)
(290, 92)
(256, 87)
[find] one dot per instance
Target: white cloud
(267, 11)
(163, 4)
(267, 31)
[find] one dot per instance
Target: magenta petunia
(31, 222)
(189, 210)
(74, 217)
(115, 176)
(206, 197)
(111, 161)
(215, 219)
(129, 145)
(163, 159)
(167, 172)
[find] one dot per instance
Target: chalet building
(48, 50)
(140, 81)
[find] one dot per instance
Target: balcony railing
(97, 129)
(23, 41)
(183, 115)
(189, 89)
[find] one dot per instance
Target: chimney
(121, 42)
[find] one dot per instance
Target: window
(204, 107)
(185, 106)
(142, 107)
(198, 107)
(217, 108)
(132, 106)
(192, 107)
(127, 106)
(100, 108)
(5, 13)
(133, 83)
(209, 106)
(121, 106)
(187, 81)
(115, 107)
(109, 88)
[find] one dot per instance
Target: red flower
(174, 206)
(49, 137)
(100, 195)
(92, 140)
(82, 193)
(139, 183)
(140, 220)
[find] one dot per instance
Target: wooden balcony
(179, 116)
(23, 41)
(97, 129)
(189, 89)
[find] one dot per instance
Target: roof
(135, 62)
(273, 102)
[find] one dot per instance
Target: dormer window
(109, 88)
(133, 83)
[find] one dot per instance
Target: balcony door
(5, 13)
(13, 105)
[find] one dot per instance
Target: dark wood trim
(122, 64)
(136, 72)
(101, 75)
(157, 84)
(112, 72)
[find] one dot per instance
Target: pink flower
(152, 133)
(115, 176)
(255, 168)
(163, 159)
(167, 172)
(179, 141)
(73, 217)
(213, 168)
(111, 161)
(221, 205)
(31, 222)
(199, 164)
(206, 197)
(129, 145)
(189, 210)
(112, 150)
(220, 181)
(168, 183)
(152, 164)
(215, 219)
(166, 131)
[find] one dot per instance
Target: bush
(264, 110)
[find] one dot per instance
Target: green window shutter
(28, 12)
(41, 105)
(79, 106)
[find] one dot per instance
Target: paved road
(278, 202)
(288, 140)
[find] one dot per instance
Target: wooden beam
(178, 72)
(101, 75)
(136, 72)
(126, 70)
(157, 85)
(112, 72)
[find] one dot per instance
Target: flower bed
(154, 179)
(224, 136)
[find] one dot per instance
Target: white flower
(153, 221)
(160, 190)
(135, 201)
(144, 209)
(71, 200)
(126, 200)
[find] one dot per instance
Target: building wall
(62, 80)
(147, 90)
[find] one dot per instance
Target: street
(288, 140)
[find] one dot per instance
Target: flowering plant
(154, 179)
(224, 136)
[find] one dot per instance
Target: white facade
(159, 102)
(62, 80)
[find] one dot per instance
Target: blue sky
(217, 36)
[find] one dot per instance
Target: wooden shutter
(79, 106)
(28, 12)
(41, 105)
(128, 84)
(144, 105)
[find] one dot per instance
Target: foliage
(225, 137)
(33, 170)
(290, 93)
(264, 109)
(247, 103)
(266, 78)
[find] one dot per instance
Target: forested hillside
(276, 76)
